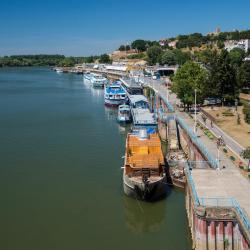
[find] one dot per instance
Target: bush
(246, 111)
(227, 113)
(241, 167)
(225, 150)
(232, 158)
(249, 176)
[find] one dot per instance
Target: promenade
(227, 183)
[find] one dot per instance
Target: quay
(217, 198)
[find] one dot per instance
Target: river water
(60, 173)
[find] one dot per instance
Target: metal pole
(167, 93)
(218, 155)
(195, 112)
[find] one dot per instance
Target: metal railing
(216, 201)
(191, 182)
(211, 159)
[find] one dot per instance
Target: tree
(67, 62)
(243, 76)
(220, 44)
(127, 47)
(122, 48)
(222, 79)
(236, 56)
(168, 57)
(105, 59)
(189, 77)
(181, 57)
(140, 45)
(154, 54)
(246, 155)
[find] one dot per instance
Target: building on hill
(215, 33)
(172, 44)
(241, 44)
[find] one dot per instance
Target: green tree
(236, 56)
(189, 77)
(222, 79)
(205, 56)
(105, 59)
(169, 58)
(243, 76)
(140, 45)
(67, 62)
(246, 155)
(122, 48)
(127, 47)
(154, 54)
(181, 57)
(220, 44)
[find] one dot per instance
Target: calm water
(60, 178)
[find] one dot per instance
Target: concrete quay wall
(214, 228)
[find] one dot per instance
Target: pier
(217, 195)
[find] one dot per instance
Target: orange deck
(144, 153)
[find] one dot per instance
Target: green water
(60, 173)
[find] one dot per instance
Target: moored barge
(144, 167)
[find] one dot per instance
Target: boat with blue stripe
(114, 94)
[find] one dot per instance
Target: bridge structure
(217, 199)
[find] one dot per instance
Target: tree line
(50, 60)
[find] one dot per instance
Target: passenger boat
(59, 70)
(144, 167)
(131, 86)
(97, 80)
(114, 94)
(87, 77)
(124, 115)
(142, 117)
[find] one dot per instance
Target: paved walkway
(229, 141)
(211, 183)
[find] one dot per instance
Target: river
(60, 172)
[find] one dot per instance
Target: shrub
(225, 150)
(241, 167)
(249, 176)
(232, 158)
(246, 111)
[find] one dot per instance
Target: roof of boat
(137, 98)
(124, 107)
(115, 89)
(143, 116)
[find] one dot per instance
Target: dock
(217, 194)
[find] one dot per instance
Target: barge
(144, 175)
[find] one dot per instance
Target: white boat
(142, 117)
(114, 94)
(97, 81)
(59, 70)
(124, 115)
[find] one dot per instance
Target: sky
(92, 27)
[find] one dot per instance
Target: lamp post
(220, 142)
(195, 110)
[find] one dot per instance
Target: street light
(195, 110)
(219, 142)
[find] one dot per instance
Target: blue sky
(86, 27)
